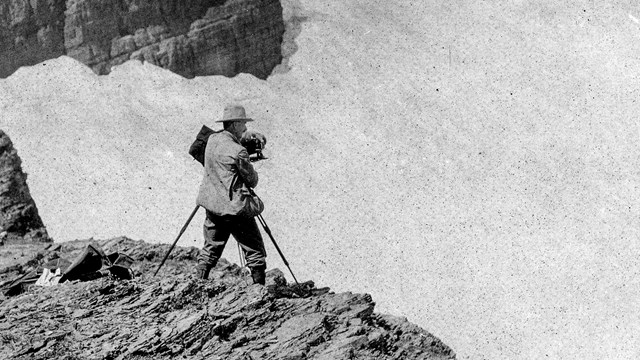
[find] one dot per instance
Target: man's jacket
(226, 167)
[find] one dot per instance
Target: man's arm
(245, 170)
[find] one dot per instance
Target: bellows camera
(254, 147)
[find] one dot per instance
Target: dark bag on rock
(93, 264)
(90, 261)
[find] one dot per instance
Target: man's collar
(233, 137)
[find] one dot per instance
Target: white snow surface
(472, 165)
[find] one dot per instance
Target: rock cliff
(19, 217)
(173, 316)
(189, 37)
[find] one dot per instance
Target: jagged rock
(191, 38)
(175, 316)
(19, 218)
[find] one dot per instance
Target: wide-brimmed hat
(234, 113)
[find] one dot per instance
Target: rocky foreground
(173, 316)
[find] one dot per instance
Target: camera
(254, 147)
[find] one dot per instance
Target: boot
(202, 271)
(258, 275)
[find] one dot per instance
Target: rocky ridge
(19, 218)
(174, 316)
(191, 38)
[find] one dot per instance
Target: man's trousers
(245, 230)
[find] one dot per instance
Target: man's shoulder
(226, 141)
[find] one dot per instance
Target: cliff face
(190, 37)
(18, 213)
(30, 31)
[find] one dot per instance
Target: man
(226, 162)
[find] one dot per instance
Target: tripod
(266, 229)
(260, 219)
(178, 238)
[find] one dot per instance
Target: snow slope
(474, 166)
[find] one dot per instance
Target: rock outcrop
(173, 316)
(19, 219)
(191, 38)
